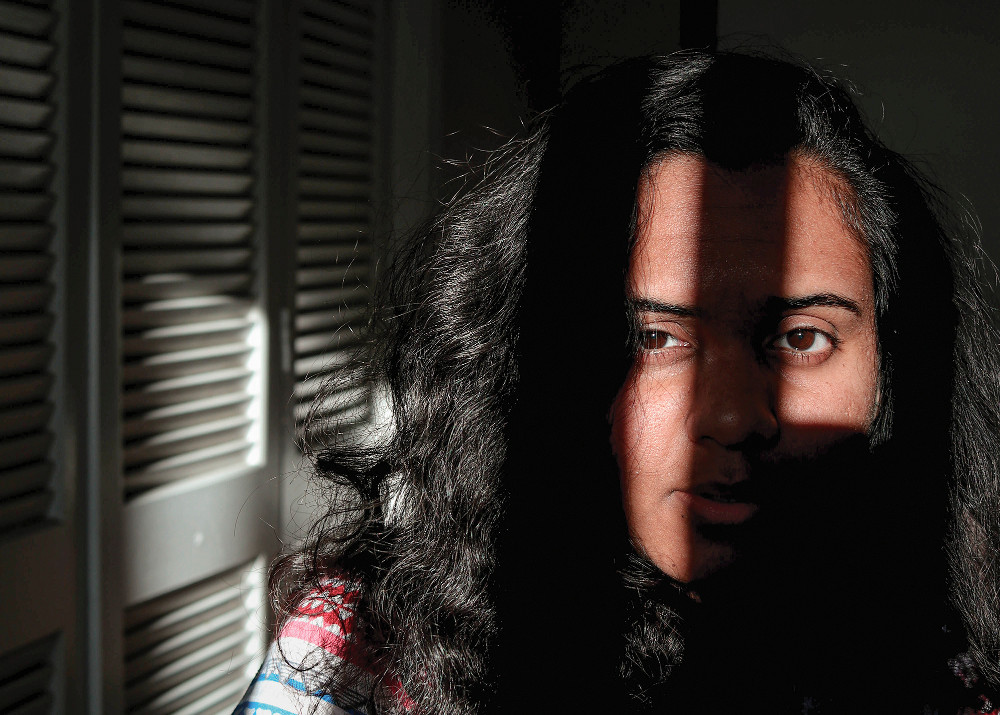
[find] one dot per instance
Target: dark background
(923, 70)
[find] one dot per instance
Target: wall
(923, 69)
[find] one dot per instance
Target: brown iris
(801, 339)
(654, 339)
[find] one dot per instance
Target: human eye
(654, 339)
(805, 343)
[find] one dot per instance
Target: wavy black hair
(483, 523)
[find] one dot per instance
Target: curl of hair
(413, 504)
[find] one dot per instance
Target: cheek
(646, 432)
(818, 412)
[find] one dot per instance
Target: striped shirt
(291, 680)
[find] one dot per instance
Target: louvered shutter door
(198, 497)
(336, 181)
(35, 507)
(188, 314)
(26, 263)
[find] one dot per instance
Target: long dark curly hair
(481, 520)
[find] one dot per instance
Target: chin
(702, 562)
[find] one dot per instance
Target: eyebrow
(825, 300)
(648, 305)
(772, 305)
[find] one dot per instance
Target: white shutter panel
(197, 494)
(335, 189)
(27, 107)
(196, 649)
(190, 373)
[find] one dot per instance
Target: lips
(720, 503)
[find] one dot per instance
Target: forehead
(775, 230)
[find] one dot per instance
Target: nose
(732, 403)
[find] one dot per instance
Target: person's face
(757, 346)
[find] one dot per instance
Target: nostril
(732, 405)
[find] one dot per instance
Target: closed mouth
(743, 492)
(720, 503)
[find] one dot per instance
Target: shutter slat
(25, 20)
(183, 636)
(184, 101)
(25, 113)
(330, 121)
(24, 389)
(24, 358)
(24, 329)
(337, 101)
(199, 260)
(323, 143)
(185, 182)
(315, 344)
(335, 57)
(311, 253)
(32, 84)
(25, 145)
(164, 668)
(346, 400)
(25, 51)
(186, 389)
(343, 37)
(25, 267)
(185, 75)
(322, 75)
(328, 321)
(186, 689)
(341, 231)
(186, 336)
(220, 459)
(24, 509)
(166, 287)
(239, 9)
(162, 153)
(342, 14)
(25, 297)
(334, 166)
(185, 441)
(340, 188)
(187, 22)
(29, 418)
(166, 233)
(333, 210)
(180, 129)
(25, 207)
(25, 449)
(327, 297)
(25, 236)
(184, 362)
(187, 414)
(22, 480)
(202, 52)
(25, 175)
(184, 310)
(319, 363)
(195, 209)
(339, 275)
